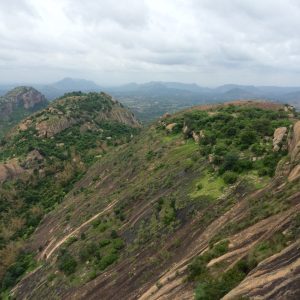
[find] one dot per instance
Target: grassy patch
(209, 185)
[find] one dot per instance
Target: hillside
(17, 104)
(44, 155)
(201, 203)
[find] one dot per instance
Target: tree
(67, 263)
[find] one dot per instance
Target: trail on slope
(49, 251)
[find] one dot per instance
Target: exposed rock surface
(53, 126)
(278, 277)
(18, 104)
(294, 145)
(170, 127)
(26, 97)
(10, 170)
(278, 137)
(196, 137)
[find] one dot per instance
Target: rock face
(196, 137)
(21, 97)
(279, 134)
(275, 278)
(53, 126)
(10, 170)
(294, 144)
(18, 104)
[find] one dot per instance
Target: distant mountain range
(152, 99)
(170, 89)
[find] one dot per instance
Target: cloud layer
(205, 41)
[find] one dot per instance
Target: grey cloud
(208, 41)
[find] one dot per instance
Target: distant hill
(152, 99)
(17, 104)
(67, 85)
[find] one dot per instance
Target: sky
(209, 42)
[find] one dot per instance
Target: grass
(208, 185)
(257, 181)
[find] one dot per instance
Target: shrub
(104, 243)
(118, 244)
(107, 260)
(247, 138)
(66, 263)
(88, 251)
(231, 161)
(113, 234)
(230, 177)
(24, 262)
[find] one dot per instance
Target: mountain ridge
(179, 205)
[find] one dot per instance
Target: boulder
(294, 143)
(185, 130)
(279, 134)
(196, 137)
(170, 127)
(295, 173)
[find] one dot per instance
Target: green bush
(212, 289)
(118, 244)
(104, 243)
(230, 177)
(24, 262)
(66, 263)
(88, 251)
(107, 260)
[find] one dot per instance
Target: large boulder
(196, 137)
(294, 143)
(279, 134)
(10, 170)
(170, 127)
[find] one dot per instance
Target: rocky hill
(203, 204)
(44, 155)
(17, 104)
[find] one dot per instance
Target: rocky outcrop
(24, 101)
(294, 143)
(26, 97)
(51, 127)
(10, 170)
(294, 150)
(277, 277)
(121, 115)
(279, 135)
(170, 127)
(196, 137)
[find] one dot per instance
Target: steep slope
(46, 154)
(17, 104)
(197, 200)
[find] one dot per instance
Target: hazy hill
(66, 85)
(204, 202)
(17, 104)
(152, 99)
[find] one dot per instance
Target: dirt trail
(49, 250)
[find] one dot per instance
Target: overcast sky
(210, 42)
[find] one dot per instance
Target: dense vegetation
(52, 166)
(163, 189)
(236, 139)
